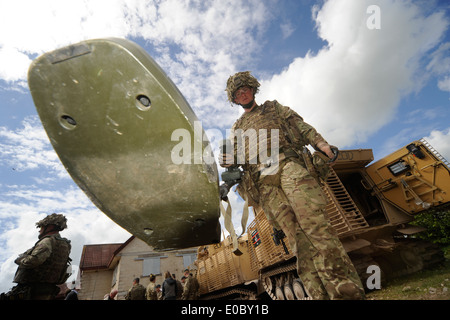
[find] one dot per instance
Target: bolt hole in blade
(67, 122)
(143, 102)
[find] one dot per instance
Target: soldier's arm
(21, 256)
(40, 253)
(308, 134)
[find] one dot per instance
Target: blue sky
(360, 86)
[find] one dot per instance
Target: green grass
(431, 284)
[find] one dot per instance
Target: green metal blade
(110, 111)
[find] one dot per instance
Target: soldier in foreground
(44, 266)
(287, 192)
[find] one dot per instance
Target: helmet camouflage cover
(58, 220)
(241, 79)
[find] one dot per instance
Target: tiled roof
(98, 256)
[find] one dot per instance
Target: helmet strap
(45, 232)
(248, 105)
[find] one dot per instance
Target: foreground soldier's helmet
(240, 79)
(58, 220)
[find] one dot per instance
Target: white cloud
(40, 26)
(440, 65)
(15, 64)
(352, 87)
(29, 148)
(287, 29)
(444, 84)
(440, 140)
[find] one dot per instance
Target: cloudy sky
(367, 74)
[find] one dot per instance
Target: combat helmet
(238, 80)
(58, 220)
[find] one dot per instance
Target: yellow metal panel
(413, 179)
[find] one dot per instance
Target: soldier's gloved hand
(326, 148)
(226, 160)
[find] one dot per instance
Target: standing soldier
(136, 292)
(191, 286)
(287, 192)
(151, 293)
(44, 266)
(179, 287)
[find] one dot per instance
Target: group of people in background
(171, 289)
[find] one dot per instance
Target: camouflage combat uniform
(293, 200)
(136, 292)
(44, 266)
(150, 292)
(190, 290)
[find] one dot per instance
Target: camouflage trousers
(293, 202)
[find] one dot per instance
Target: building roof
(99, 256)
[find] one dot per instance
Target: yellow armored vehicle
(224, 274)
(369, 206)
